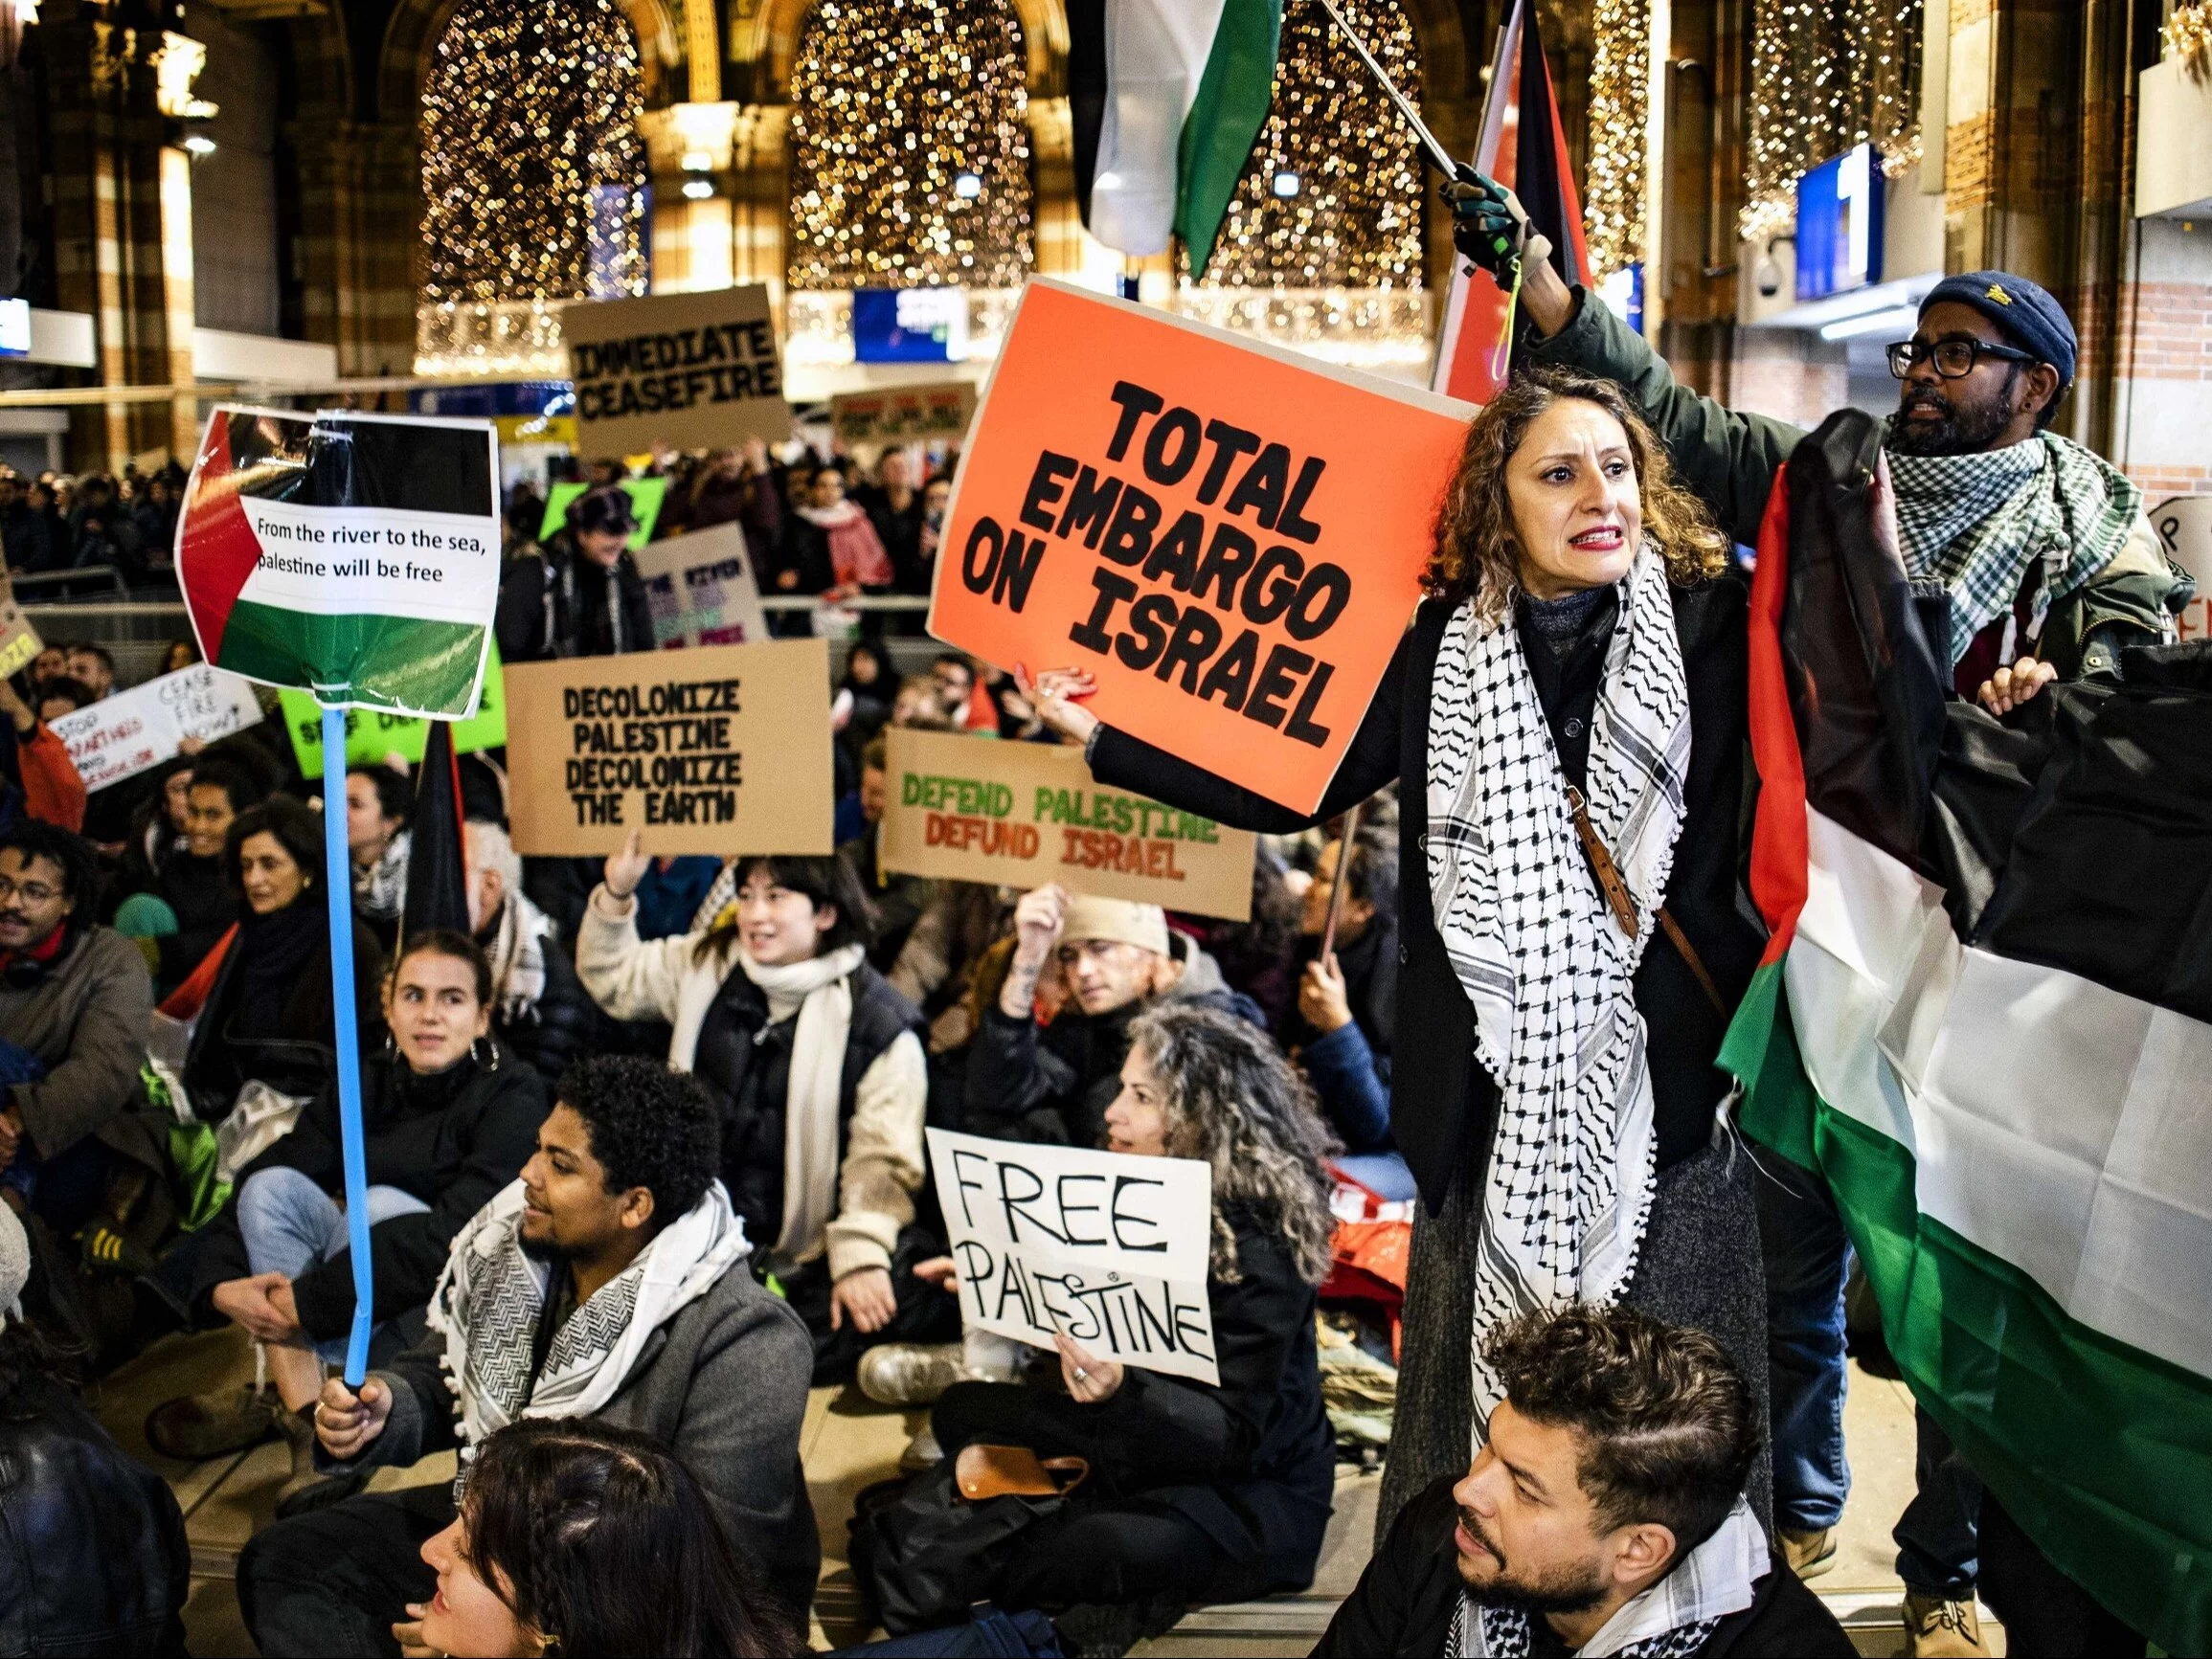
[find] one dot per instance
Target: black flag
(438, 864)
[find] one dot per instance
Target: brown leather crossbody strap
(1623, 904)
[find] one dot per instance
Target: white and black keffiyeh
(1547, 969)
(518, 973)
(487, 1302)
(1668, 1619)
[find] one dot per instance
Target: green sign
(646, 494)
(372, 734)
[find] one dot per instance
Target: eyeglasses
(1955, 359)
(34, 892)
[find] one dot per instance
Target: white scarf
(1548, 970)
(821, 990)
(1670, 1619)
(518, 958)
(489, 1300)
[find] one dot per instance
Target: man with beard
(1604, 1514)
(610, 1281)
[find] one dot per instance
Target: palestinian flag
(353, 556)
(1523, 148)
(1985, 1017)
(1168, 96)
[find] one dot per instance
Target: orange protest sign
(1228, 535)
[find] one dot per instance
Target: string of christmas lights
(1613, 209)
(1333, 194)
(910, 145)
(1827, 75)
(533, 171)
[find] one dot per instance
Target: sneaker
(107, 1249)
(908, 1373)
(197, 1426)
(1809, 1553)
(921, 1453)
(1939, 1629)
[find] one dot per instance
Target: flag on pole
(438, 857)
(1167, 98)
(1985, 1019)
(1523, 148)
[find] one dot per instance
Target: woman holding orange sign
(1566, 719)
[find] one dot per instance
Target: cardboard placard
(19, 642)
(648, 495)
(2184, 525)
(724, 749)
(1020, 814)
(372, 735)
(703, 589)
(123, 735)
(1110, 1249)
(1230, 536)
(904, 413)
(689, 369)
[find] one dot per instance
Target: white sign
(1110, 1249)
(120, 736)
(2184, 524)
(703, 590)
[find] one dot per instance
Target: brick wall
(2162, 361)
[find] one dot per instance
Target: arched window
(1333, 194)
(910, 149)
(534, 174)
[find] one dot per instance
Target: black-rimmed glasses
(1953, 359)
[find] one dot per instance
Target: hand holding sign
(1090, 1380)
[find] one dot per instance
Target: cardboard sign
(1230, 536)
(724, 749)
(353, 556)
(904, 413)
(1110, 1249)
(19, 642)
(648, 495)
(689, 369)
(373, 736)
(1020, 814)
(2184, 525)
(121, 736)
(703, 589)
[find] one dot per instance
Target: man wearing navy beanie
(2041, 546)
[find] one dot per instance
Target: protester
(447, 1120)
(895, 508)
(92, 666)
(63, 696)
(919, 706)
(607, 1282)
(829, 544)
(1563, 1137)
(736, 487)
(74, 1005)
(379, 802)
(37, 778)
(870, 683)
(1347, 1007)
(1199, 1494)
(267, 1017)
(936, 495)
(816, 1067)
(193, 881)
(1604, 1514)
(581, 596)
(1034, 1082)
(581, 1538)
(92, 1556)
(897, 899)
(540, 1011)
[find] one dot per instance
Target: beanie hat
(2027, 315)
(1120, 920)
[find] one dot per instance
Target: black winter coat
(1444, 1106)
(556, 604)
(1406, 1599)
(296, 1049)
(452, 1140)
(93, 1557)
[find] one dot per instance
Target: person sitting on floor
(817, 1065)
(1605, 1513)
(93, 1557)
(1197, 1492)
(379, 803)
(193, 879)
(609, 1282)
(539, 1008)
(1050, 1082)
(75, 1006)
(544, 1555)
(447, 1120)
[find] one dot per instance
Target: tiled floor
(848, 1442)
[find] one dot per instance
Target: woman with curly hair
(1197, 1493)
(1567, 718)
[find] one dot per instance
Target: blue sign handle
(338, 878)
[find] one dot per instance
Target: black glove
(1487, 224)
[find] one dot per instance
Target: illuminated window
(909, 148)
(1333, 194)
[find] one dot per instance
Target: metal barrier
(30, 579)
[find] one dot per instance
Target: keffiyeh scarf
(1668, 1619)
(518, 958)
(381, 890)
(1976, 524)
(489, 1300)
(1548, 970)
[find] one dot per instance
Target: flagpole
(1438, 154)
(338, 875)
